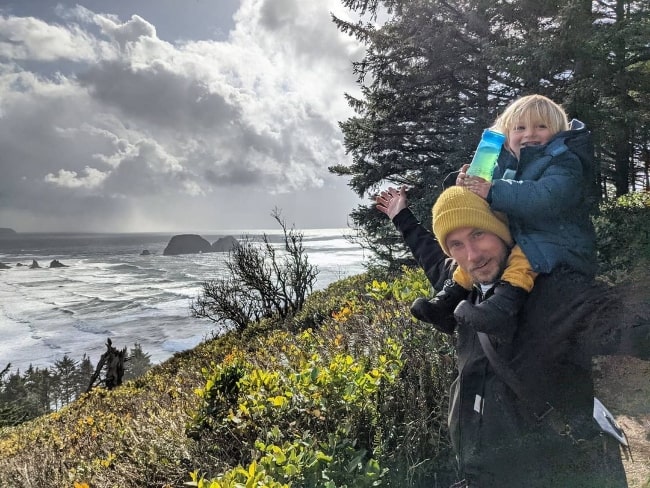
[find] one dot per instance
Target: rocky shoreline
(55, 263)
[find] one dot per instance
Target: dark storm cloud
(158, 96)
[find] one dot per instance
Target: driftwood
(113, 361)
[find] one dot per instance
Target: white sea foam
(109, 289)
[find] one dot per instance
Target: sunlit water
(109, 289)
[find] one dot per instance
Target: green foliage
(421, 79)
(11, 411)
(334, 401)
(137, 364)
(412, 284)
(220, 391)
(321, 304)
(66, 371)
(360, 401)
(623, 233)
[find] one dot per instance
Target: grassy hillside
(351, 392)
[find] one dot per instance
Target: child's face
(528, 133)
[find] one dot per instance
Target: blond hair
(530, 110)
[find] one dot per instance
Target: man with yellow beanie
(458, 207)
(521, 407)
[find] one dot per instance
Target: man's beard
(502, 263)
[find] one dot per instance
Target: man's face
(480, 253)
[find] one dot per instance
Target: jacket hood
(577, 139)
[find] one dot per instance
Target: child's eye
(519, 128)
(542, 126)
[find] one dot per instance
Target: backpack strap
(510, 378)
(544, 411)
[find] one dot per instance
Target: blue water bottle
(486, 155)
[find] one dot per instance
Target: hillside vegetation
(356, 387)
(351, 391)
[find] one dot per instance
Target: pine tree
(594, 58)
(36, 400)
(66, 371)
(620, 44)
(43, 388)
(138, 363)
(438, 72)
(83, 375)
(429, 88)
(11, 412)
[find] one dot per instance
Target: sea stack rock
(145, 252)
(34, 264)
(57, 264)
(187, 244)
(4, 266)
(225, 244)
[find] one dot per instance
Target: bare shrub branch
(261, 280)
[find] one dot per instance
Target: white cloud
(125, 33)
(160, 126)
(70, 179)
(28, 38)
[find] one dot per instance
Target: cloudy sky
(172, 115)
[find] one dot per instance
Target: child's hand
(460, 179)
(477, 185)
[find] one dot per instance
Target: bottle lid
(495, 136)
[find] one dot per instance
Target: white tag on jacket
(478, 404)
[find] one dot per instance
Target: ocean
(110, 289)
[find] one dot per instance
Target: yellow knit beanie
(458, 207)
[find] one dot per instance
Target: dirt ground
(623, 385)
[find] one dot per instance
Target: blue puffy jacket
(547, 195)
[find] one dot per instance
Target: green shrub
(321, 304)
(360, 400)
(269, 411)
(623, 234)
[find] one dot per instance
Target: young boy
(541, 183)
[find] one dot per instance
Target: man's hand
(392, 201)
